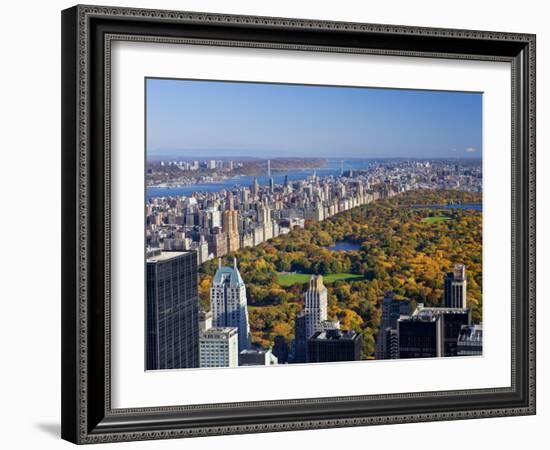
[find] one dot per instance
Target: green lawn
(301, 278)
(435, 219)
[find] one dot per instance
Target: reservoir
(470, 206)
(344, 246)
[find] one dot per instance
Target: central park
(404, 244)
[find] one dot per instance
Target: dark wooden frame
(87, 31)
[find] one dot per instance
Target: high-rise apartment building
(455, 288)
(219, 347)
(315, 305)
(228, 302)
(202, 250)
(231, 225)
(172, 310)
(217, 242)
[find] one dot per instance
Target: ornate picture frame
(87, 35)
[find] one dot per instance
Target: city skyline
(355, 264)
(188, 118)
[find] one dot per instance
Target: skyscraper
(217, 242)
(391, 343)
(202, 250)
(315, 305)
(231, 225)
(280, 349)
(334, 345)
(453, 321)
(300, 339)
(392, 309)
(228, 302)
(172, 310)
(264, 213)
(420, 336)
(254, 187)
(455, 288)
(431, 332)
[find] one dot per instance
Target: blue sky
(190, 118)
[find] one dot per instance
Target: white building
(326, 325)
(205, 321)
(316, 305)
(228, 302)
(219, 347)
(202, 251)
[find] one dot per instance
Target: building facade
(205, 320)
(431, 332)
(455, 288)
(230, 225)
(257, 357)
(470, 341)
(392, 309)
(280, 349)
(453, 321)
(315, 305)
(300, 339)
(172, 311)
(217, 242)
(334, 345)
(420, 336)
(228, 302)
(219, 347)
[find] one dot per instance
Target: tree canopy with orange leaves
(398, 250)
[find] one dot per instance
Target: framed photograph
(277, 224)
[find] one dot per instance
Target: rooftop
(316, 283)
(254, 351)
(219, 332)
(458, 273)
(164, 256)
(431, 314)
(228, 274)
(335, 335)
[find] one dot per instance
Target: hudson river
(332, 168)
